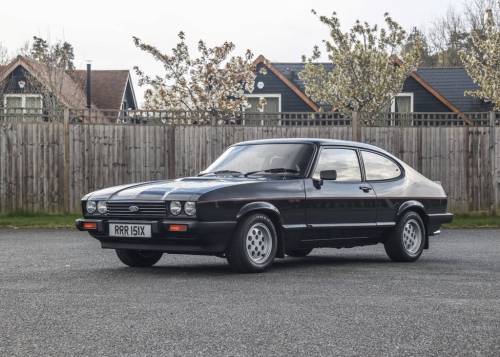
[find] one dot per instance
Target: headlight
(190, 208)
(175, 207)
(101, 207)
(91, 206)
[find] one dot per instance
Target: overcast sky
(281, 30)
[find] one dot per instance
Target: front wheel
(138, 258)
(253, 245)
(406, 241)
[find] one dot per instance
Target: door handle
(365, 189)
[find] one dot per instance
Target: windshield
(292, 159)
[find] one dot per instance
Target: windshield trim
(299, 154)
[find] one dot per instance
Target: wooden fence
(49, 166)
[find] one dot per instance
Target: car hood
(180, 189)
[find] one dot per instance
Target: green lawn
(38, 220)
(474, 221)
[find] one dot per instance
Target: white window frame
(393, 113)
(25, 111)
(403, 94)
(266, 95)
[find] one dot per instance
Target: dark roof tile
(451, 84)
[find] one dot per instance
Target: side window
(344, 161)
(378, 167)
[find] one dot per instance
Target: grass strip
(473, 221)
(38, 220)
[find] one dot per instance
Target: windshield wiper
(220, 172)
(273, 171)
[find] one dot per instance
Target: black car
(270, 198)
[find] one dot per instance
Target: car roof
(317, 142)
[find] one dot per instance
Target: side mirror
(328, 175)
(324, 175)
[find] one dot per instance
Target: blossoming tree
(211, 81)
(483, 62)
(365, 75)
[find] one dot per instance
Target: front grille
(149, 209)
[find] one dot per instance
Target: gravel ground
(62, 295)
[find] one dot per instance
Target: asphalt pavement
(62, 295)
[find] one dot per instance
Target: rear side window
(344, 161)
(378, 167)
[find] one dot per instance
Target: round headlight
(175, 207)
(190, 208)
(101, 207)
(91, 206)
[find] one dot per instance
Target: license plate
(130, 230)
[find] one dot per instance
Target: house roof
(70, 93)
(108, 86)
(446, 84)
(451, 83)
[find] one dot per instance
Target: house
(426, 90)
(29, 89)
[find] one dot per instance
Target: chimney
(89, 86)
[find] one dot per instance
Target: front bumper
(199, 238)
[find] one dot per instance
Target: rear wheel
(253, 245)
(406, 241)
(138, 258)
(298, 252)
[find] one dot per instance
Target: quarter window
(344, 161)
(378, 167)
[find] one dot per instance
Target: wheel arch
(274, 215)
(418, 208)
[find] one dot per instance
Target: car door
(342, 208)
(387, 179)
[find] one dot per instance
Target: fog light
(91, 206)
(178, 228)
(89, 225)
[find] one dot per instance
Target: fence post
(354, 126)
(67, 204)
(493, 160)
(213, 117)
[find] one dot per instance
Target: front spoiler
(199, 238)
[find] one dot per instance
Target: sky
(282, 31)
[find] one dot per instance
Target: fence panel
(466, 159)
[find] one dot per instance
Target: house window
(273, 103)
(23, 107)
(402, 103)
(398, 110)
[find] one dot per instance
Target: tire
(252, 248)
(298, 252)
(406, 241)
(138, 258)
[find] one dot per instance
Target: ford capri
(267, 199)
